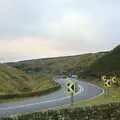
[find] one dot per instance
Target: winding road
(58, 98)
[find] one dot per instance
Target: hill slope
(13, 80)
(59, 64)
(109, 63)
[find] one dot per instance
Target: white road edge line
(96, 87)
(85, 99)
(58, 99)
(27, 105)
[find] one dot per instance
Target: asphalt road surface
(58, 98)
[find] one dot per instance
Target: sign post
(107, 84)
(71, 90)
(72, 99)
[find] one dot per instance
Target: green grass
(108, 63)
(44, 84)
(58, 64)
(15, 82)
(113, 96)
(103, 99)
(93, 63)
(89, 64)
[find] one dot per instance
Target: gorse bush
(102, 112)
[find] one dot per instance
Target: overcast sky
(46, 28)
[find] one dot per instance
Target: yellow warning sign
(108, 84)
(114, 79)
(70, 87)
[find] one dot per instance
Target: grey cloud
(27, 17)
(77, 25)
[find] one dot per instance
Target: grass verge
(112, 96)
(44, 87)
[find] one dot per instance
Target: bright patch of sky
(46, 28)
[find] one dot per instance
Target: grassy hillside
(59, 64)
(93, 64)
(109, 63)
(14, 81)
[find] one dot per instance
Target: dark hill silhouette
(109, 63)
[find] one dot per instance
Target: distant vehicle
(70, 74)
(74, 76)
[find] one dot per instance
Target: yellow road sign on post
(104, 79)
(70, 87)
(108, 84)
(114, 79)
